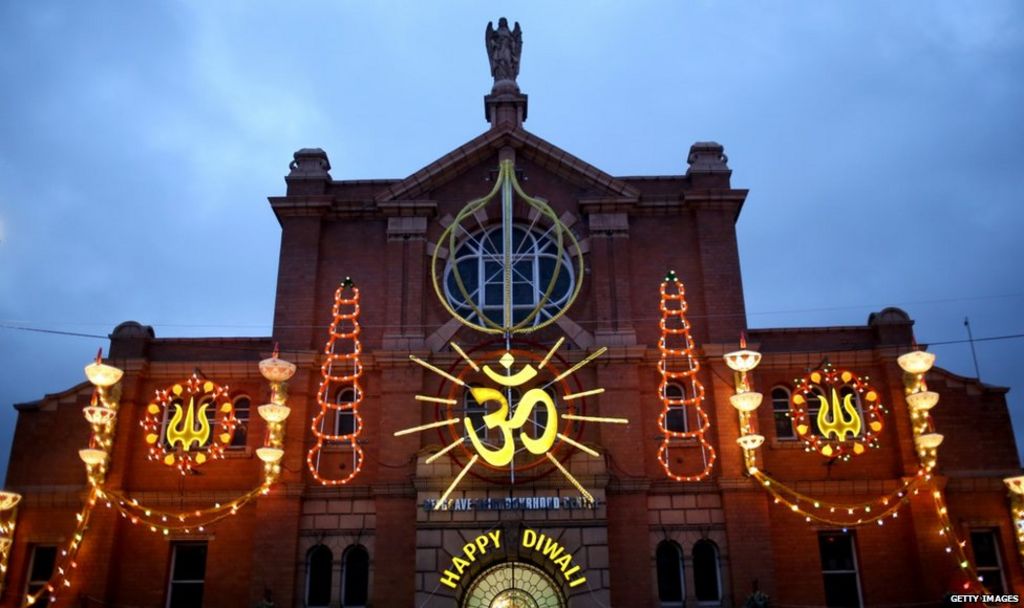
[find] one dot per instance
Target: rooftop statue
(503, 49)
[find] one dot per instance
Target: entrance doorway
(513, 585)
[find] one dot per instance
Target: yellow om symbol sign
(499, 419)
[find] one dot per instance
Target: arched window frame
(479, 260)
(675, 390)
(326, 552)
(662, 576)
(242, 405)
(702, 578)
(346, 571)
(784, 430)
(345, 417)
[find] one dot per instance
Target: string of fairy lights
(678, 365)
(102, 416)
(341, 371)
(880, 509)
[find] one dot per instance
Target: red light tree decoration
(679, 366)
(341, 371)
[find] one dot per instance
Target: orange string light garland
(67, 562)
(678, 364)
(341, 370)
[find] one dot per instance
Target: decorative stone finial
(504, 47)
(310, 163)
(707, 157)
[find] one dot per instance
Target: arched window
(780, 411)
(243, 405)
(671, 589)
(707, 577)
(318, 576)
(478, 259)
(675, 420)
(345, 420)
(355, 577)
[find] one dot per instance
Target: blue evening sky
(880, 141)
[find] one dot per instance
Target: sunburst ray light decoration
(510, 411)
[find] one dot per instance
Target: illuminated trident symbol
(831, 418)
(186, 434)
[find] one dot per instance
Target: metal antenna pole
(974, 353)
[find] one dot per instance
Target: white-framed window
(355, 577)
(345, 420)
(988, 559)
(319, 561)
(668, 558)
(839, 570)
(676, 419)
(187, 578)
(242, 408)
(40, 570)
(707, 573)
(780, 413)
(479, 259)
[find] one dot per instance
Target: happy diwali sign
(542, 546)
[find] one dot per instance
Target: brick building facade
(646, 540)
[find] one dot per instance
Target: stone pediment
(525, 144)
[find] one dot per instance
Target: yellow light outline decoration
(426, 427)
(451, 446)
(578, 445)
(440, 400)
(583, 491)
(551, 353)
(437, 371)
(455, 482)
(507, 177)
(466, 357)
(575, 368)
(595, 419)
(574, 396)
